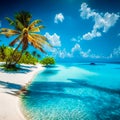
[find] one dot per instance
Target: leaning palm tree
(27, 33)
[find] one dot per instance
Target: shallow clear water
(75, 92)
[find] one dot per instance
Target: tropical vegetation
(27, 33)
(48, 61)
(27, 57)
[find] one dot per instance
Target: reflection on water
(74, 92)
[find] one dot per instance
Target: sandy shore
(10, 83)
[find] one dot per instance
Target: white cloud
(62, 53)
(77, 51)
(74, 40)
(76, 48)
(101, 21)
(106, 21)
(86, 12)
(91, 35)
(58, 18)
(116, 51)
(85, 54)
(89, 54)
(53, 39)
(78, 39)
(57, 52)
(81, 53)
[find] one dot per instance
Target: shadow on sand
(21, 69)
(11, 86)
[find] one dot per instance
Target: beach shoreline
(10, 85)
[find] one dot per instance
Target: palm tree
(34, 53)
(2, 52)
(26, 32)
(38, 56)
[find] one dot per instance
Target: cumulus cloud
(116, 51)
(53, 39)
(85, 54)
(77, 51)
(101, 21)
(91, 35)
(76, 48)
(61, 53)
(58, 18)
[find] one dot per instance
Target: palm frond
(32, 25)
(24, 17)
(41, 26)
(31, 39)
(11, 22)
(35, 43)
(38, 47)
(4, 29)
(36, 29)
(41, 49)
(8, 32)
(38, 39)
(41, 39)
(15, 40)
(19, 25)
(38, 36)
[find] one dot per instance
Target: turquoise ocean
(74, 91)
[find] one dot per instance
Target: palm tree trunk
(19, 58)
(12, 56)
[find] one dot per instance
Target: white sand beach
(10, 83)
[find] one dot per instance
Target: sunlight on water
(75, 92)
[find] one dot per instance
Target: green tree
(48, 61)
(26, 32)
(6, 52)
(36, 55)
(28, 58)
(2, 52)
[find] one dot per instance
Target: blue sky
(79, 30)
